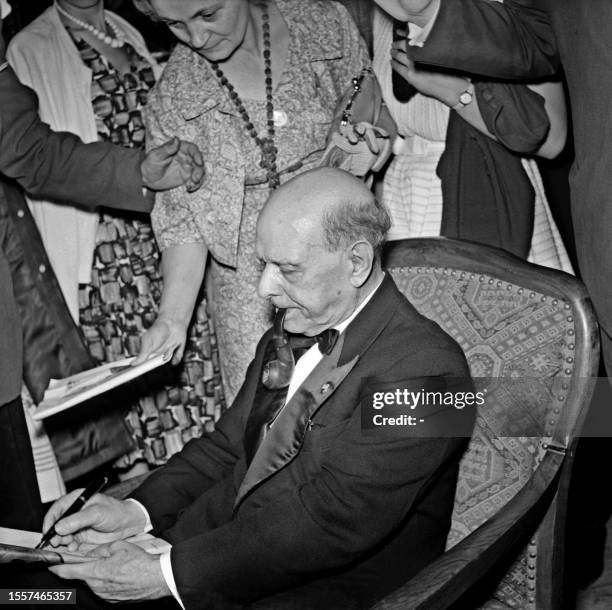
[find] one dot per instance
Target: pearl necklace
(116, 41)
(266, 144)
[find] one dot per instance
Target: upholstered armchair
(531, 340)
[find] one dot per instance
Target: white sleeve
(148, 525)
(166, 568)
(164, 558)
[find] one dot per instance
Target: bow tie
(325, 340)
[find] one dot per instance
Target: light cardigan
(45, 58)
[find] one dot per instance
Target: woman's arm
(447, 88)
(183, 272)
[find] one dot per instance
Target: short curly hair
(351, 221)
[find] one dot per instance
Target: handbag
(362, 132)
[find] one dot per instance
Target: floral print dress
(325, 53)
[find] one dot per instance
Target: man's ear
(362, 259)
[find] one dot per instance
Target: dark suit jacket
(32, 309)
(335, 510)
(525, 39)
(56, 165)
(60, 165)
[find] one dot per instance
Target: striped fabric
(50, 482)
(412, 190)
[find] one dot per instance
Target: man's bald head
(317, 240)
(330, 204)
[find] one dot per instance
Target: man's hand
(173, 164)
(439, 85)
(124, 572)
(419, 12)
(165, 336)
(102, 519)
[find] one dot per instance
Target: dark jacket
(38, 338)
(525, 39)
(324, 505)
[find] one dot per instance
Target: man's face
(212, 28)
(301, 276)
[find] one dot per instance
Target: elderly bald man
(296, 500)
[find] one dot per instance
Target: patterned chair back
(530, 340)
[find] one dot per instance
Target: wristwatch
(465, 97)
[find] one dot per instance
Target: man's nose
(268, 286)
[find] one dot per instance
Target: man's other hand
(174, 163)
(102, 519)
(122, 573)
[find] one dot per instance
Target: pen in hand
(93, 488)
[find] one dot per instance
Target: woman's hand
(183, 270)
(164, 337)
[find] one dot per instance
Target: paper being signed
(18, 545)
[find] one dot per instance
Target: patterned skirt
(115, 309)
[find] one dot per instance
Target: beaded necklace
(265, 144)
(116, 41)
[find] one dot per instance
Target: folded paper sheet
(18, 545)
(65, 393)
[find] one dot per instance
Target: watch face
(465, 98)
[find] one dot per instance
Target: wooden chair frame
(539, 508)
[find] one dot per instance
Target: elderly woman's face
(212, 28)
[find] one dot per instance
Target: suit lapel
(284, 439)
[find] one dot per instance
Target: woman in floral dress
(254, 85)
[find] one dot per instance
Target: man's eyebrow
(277, 261)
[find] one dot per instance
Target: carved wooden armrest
(443, 582)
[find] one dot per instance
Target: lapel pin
(327, 387)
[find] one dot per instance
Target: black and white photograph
(306, 304)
